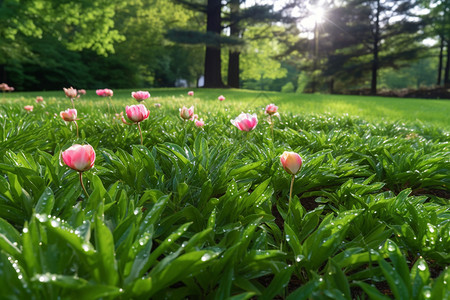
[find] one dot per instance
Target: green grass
(204, 213)
(369, 108)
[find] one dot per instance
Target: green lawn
(370, 108)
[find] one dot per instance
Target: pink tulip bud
(28, 107)
(39, 99)
(221, 98)
(186, 113)
(191, 93)
(82, 92)
(4, 87)
(291, 162)
(199, 123)
(100, 92)
(108, 93)
(271, 109)
(140, 95)
(79, 157)
(69, 115)
(137, 113)
(70, 92)
(245, 122)
(11, 89)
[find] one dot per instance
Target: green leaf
(278, 283)
(106, 260)
(372, 291)
(45, 202)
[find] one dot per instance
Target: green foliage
(288, 88)
(204, 212)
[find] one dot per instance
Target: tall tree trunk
(376, 41)
(213, 66)
(447, 67)
(233, 55)
(441, 55)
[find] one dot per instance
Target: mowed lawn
(370, 108)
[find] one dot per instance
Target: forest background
(329, 46)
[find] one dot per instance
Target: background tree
(76, 24)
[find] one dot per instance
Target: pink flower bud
(291, 162)
(157, 105)
(221, 98)
(191, 93)
(140, 95)
(82, 92)
(186, 113)
(28, 107)
(70, 92)
(271, 109)
(69, 115)
(100, 92)
(199, 123)
(108, 93)
(194, 117)
(137, 113)
(79, 157)
(4, 87)
(245, 122)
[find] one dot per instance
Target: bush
(288, 88)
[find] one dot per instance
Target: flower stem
(140, 132)
(73, 104)
(271, 126)
(292, 187)
(82, 185)
(76, 124)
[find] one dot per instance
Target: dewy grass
(205, 213)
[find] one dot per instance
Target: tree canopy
(357, 44)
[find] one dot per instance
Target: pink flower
(108, 93)
(221, 98)
(28, 107)
(194, 117)
(191, 93)
(157, 105)
(271, 109)
(70, 92)
(82, 92)
(187, 113)
(69, 115)
(104, 92)
(140, 95)
(291, 162)
(4, 87)
(137, 113)
(199, 123)
(245, 122)
(39, 99)
(79, 158)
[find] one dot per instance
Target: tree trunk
(375, 62)
(233, 69)
(441, 54)
(233, 55)
(447, 68)
(213, 66)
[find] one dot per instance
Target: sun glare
(316, 17)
